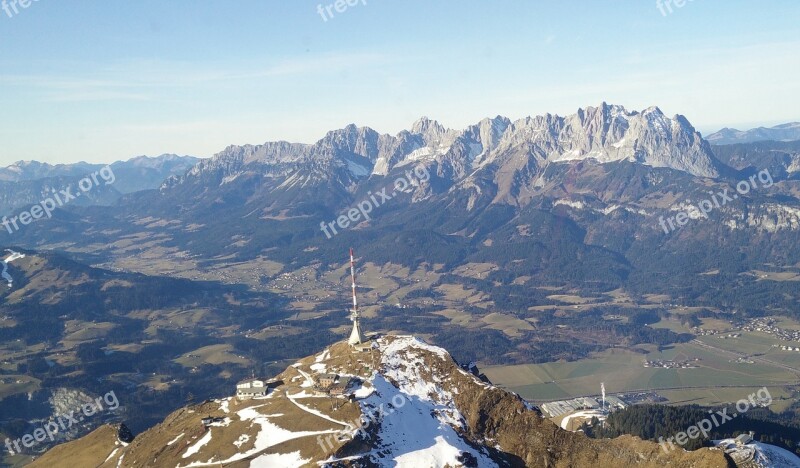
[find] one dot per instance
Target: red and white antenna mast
(353, 276)
(355, 336)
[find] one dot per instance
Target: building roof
(343, 383)
(265, 381)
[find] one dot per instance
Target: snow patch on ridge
(418, 432)
(270, 435)
(417, 418)
(198, 445)
(763, 455)
(280, 459)
(573, 204)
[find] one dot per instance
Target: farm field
(623, 370)
(16, 384)
(215, 354)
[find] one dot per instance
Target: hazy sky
(103, 80)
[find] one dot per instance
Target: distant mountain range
(25, 183)
(605, 134)
(551, 198)
(729, 136)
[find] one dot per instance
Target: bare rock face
(509, 154)
(407, 403)
(124, 434)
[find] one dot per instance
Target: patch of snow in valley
(230, 178)
(301, 394)
(476, 153)
(9, 259)
(426, 153)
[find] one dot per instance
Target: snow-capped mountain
(157, 162)
(604, 134)
(497, 156)
(728, 136)
(407, 404)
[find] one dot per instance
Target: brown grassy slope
(494, 417)
(90, 450)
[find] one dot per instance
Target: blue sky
(107, 80)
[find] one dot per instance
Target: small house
(744, 439)
(327, 380)
(207, 421)
(340, 387)
(251, 388)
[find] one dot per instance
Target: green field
(623, 370)
(16, 384)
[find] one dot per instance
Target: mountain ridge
(606, 133)
(784, 132)
(27, 183)
(31, 170)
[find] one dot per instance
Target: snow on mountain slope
(759, 454)
(419, 432)
(422, 433)
(409, 405)
(10, 258)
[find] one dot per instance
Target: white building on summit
(356, 336)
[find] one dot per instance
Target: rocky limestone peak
(431, 130)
